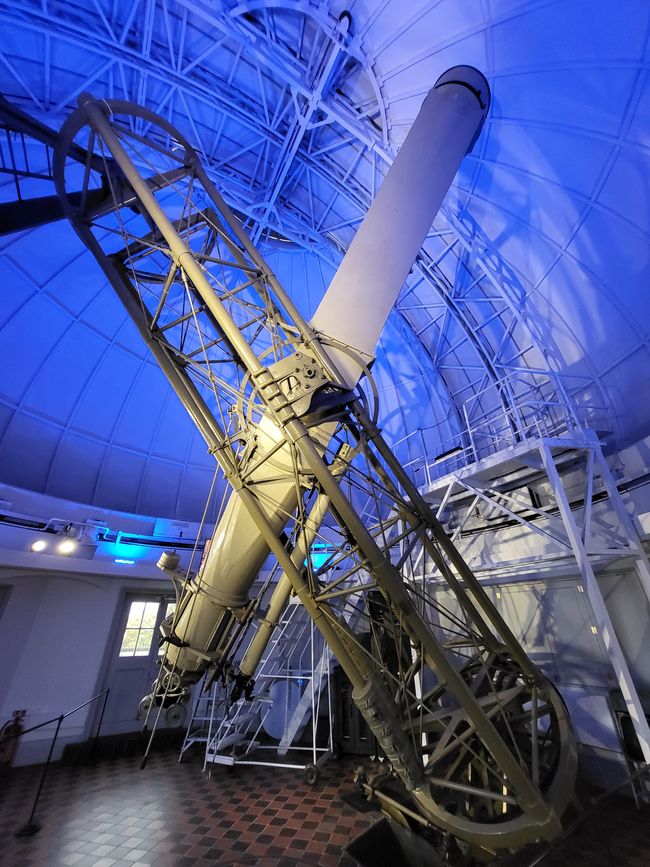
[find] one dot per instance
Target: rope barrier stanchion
(93, 749)
(31, 827)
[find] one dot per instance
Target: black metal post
(93, 747)
(31, 827)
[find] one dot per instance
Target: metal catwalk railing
(524, 405)
(553, 426)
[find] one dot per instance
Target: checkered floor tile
(112, 814)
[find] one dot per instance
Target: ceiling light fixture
(38, 545)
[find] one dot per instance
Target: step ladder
(309, 703)
(207, 709)
(296, 658)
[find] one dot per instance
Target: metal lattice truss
(477, 737)
(285, 109)
(554, 487)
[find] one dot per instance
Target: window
(169, 610)
(140, 628)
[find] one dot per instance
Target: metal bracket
(300, 377)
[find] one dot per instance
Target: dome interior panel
(77, 285)
(32, 443)
(547, 208)
(617, 259)
(120, 478)
(174, 432)
(581, 30)
(549, 154)
(638, 130)
(197, 452)
(194, 493)
(629, 174)
(140, 419)
(525, 249)
(21, 290)
(106, 315)
(28, 339)
(6, 414)
(45, 252)
(584, 99)
(160, 486)
(75, 467)
(106, 390)
(553, 200)
(630, 407)
(59, 384)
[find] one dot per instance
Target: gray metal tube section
(266, 627)
(384, 248)
(237, 553)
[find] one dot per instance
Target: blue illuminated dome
(538, 261)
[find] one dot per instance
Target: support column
(641, 564)
(603, 620)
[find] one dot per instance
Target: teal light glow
(124, 551)
(319, 555)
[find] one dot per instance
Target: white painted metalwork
(540, 445)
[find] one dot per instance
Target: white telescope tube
(384, 248)
(353, 312)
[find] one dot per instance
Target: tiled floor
(615, 834)
(113, 814)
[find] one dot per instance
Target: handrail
(486, 431)
(30, 828)
(61, 716)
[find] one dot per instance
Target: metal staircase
(536, 466)
(289, 686)
(207, 708)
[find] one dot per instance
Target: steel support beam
(603, 620)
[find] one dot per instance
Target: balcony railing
(524, 405)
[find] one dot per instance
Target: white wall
(54, 633)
